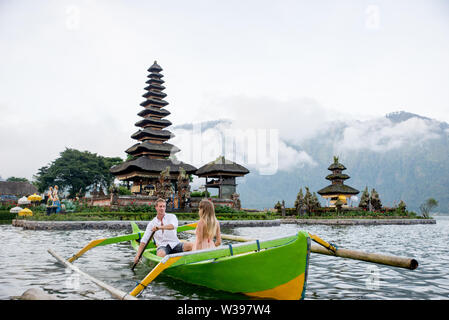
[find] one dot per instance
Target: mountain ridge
(410, 172)
(404, 156)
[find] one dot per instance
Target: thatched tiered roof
(152, 133)
(334, 189)
(337, 187)
(15, 188)
(221, 166)
(152, 150)
(162, 148)
(146, 166)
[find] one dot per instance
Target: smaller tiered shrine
(221, 174)
(337, 190)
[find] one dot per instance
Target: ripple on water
(26, 263)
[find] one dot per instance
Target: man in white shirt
(164, 225)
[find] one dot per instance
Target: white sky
(72, 72)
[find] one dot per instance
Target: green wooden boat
(274, 268)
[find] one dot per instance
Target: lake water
(25, 263)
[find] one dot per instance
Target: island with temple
(152, 171)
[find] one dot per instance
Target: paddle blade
(323, 243)
(143, 250)
(190, 226)
(103, 242)
(91, 245)
(157, 270)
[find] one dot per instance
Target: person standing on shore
(165, 227)
(56, 202)
(50, 201)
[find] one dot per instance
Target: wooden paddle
(104, 241)
(181, 228)
(123, 238)
(161, 266)
(116, 293)
(144, 248)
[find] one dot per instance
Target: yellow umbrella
(35, 197)
(25, 212)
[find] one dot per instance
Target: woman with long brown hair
(207, 228)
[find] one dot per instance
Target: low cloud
(290, 158)
(273, 140)
(381, 134)
(296, 119)
(29, 144)
(261, 149)
(263, 134)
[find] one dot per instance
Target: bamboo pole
(116, 293)
(395, 261)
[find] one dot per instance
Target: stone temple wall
(149, 200)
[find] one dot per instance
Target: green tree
(364, 199)
(299, 202)
(124, 191)
(76, 171)
(375, 200)
(427, 206)
(130, 157)
(308, 201)
(17, 179)
(402, 206)
(278, 207)
(315, 201)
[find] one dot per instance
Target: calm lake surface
(25, 263)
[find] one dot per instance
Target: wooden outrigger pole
(116, 293)
(395, 261)
(326, 248)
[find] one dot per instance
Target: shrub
(5, 215)
(124, 191)
(290, 211)
(225, 209)
(200, 194)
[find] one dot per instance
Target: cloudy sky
(72, 72)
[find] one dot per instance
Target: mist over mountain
(404, 156)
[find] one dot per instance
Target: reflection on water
(25, 263)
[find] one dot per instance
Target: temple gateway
(151, 171)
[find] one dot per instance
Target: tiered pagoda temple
(150, 166)
(223, 174)
(337, 190)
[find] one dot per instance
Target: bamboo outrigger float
(274, 268)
